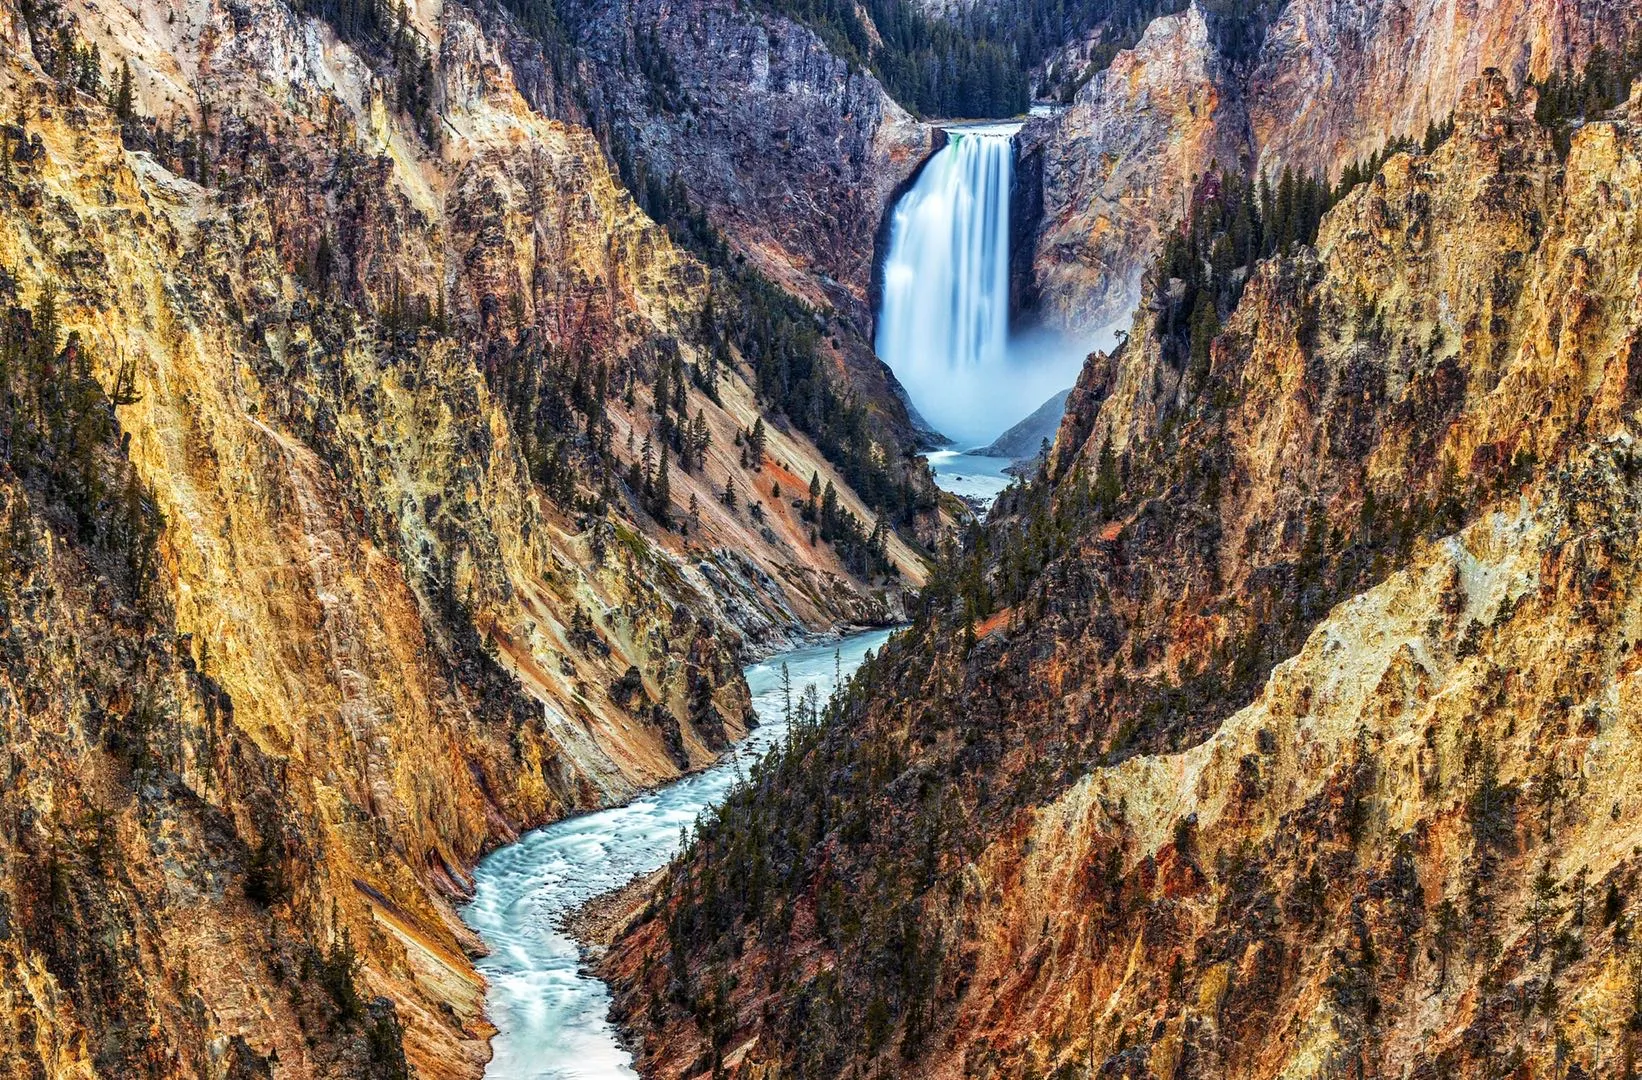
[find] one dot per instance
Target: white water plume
(943, 326)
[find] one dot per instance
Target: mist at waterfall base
(943, 324)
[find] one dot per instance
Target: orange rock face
(1329, 82)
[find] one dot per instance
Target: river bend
(552, 1018)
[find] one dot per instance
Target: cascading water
(943, 325)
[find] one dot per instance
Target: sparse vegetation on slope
(1568, 98)
(330, 553)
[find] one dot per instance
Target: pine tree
(878, 543)
(1205, 325)
(1284, 227)
(661, 503)
(324, 259)
(1108, 489)
(647, 483)
(635, 473)
(701, 437)
(829, 512)
(123, 97)
(661, 392)
(1542, 908)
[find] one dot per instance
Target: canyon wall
(793, 152)
(794, 155)
(1117, 164)
(1328, 83)
(1281, 727)
(332, 555)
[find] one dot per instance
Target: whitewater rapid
(551, 1018)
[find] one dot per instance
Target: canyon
(353, 567)
(1243, 740)
(416, 418)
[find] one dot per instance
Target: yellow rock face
(1340, 848)
(1118, 165)
(376, 647)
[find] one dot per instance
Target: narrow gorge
(551, 1015)
(747, 538)
(1241, 741)
(943, 328)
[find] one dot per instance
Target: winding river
(551, 1017)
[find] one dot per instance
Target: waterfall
(943, 323)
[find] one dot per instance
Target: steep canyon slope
(1307, 84)
(378, 480)
(1283, 726)
(792, 153)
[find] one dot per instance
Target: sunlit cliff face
(1400, 498)
(378, 646)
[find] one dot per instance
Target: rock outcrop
(1328, 83)
(1117, 166)
(1025, 440)
(795, 155)
(793, 152)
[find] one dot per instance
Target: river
(551, 1018)
(975, 477)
